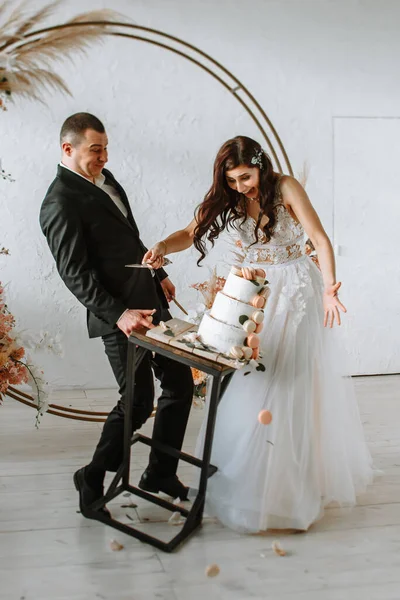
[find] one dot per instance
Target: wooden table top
(156, 340)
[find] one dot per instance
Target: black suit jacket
(91, 242)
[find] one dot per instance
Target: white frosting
(240, 288)
(228, 310)
(220, 335)
(221, 328)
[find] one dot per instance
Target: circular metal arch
(202, 60)
(221, 74)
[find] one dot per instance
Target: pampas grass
(27, 52)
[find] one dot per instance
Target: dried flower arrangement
(27, 50)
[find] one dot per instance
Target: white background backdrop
(308, 63)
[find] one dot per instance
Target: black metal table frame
(137, 348)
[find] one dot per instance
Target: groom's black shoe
(88, 495)
(151, 482)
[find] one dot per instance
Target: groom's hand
(135, 319)
(169, 288)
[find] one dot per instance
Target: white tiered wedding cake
(236, 316)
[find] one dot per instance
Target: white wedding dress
(314, 451)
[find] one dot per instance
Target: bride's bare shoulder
(288, 193)
(287, 181)
(289, 186)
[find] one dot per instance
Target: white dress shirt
(106, 187)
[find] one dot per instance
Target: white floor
(49, 552)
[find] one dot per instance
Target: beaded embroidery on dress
(287, 239)
(314, 451)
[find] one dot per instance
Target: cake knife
(146, 266)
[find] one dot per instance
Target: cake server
(180, 306)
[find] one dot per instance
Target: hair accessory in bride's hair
(257, 158)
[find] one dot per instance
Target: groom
(91, 232)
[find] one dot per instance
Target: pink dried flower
(198, 376)
(12, 370)
(210, 288)
(17, 353)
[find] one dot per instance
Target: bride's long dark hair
(224, 207)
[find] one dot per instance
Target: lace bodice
(286, 243)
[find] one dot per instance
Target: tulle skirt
(313, 453)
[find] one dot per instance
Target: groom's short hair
(73, 128)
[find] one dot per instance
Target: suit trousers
(172, 413)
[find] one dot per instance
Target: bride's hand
(332, 305)
(155, 256)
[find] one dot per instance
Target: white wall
(367, 244)
(306, 62)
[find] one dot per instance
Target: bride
(313, 452)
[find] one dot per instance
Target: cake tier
(228, 310)
(220, 335)
(240, 288)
